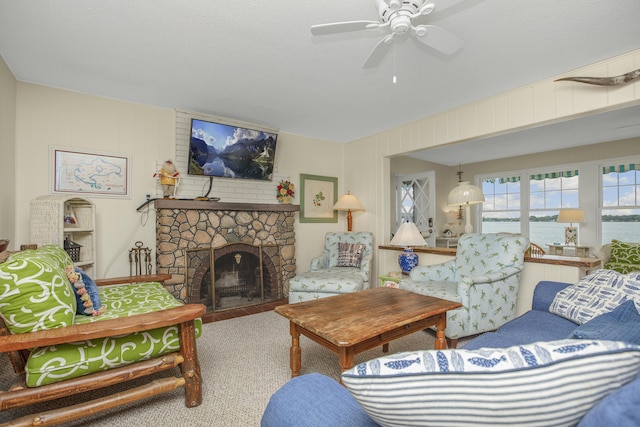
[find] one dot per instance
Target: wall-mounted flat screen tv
(221, 150)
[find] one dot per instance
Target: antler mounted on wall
(606, 81)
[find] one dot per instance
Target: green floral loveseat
(133, 327)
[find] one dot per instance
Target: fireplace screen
(240, 275)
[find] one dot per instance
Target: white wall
(8, 86)
(48, 116)
(536, 104)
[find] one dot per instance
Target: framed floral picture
(318, 194)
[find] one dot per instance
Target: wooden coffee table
(351, 323)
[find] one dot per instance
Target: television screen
(216, 149)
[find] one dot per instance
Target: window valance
(620, 168)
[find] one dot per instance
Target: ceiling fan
(398, 16)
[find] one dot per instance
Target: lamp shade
(571, 215)
(465, 194)
(408, 235)
(348, 202)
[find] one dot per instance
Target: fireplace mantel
(224, 206)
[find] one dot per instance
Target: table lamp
(408, 235)
(466, 194)
(348, 203)
(570, 216)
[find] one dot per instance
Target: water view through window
(544, 233)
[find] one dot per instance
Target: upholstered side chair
(484, 277)
(343, 266)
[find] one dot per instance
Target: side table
(558, 249)
(382, 280)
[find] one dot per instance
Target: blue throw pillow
(621, 324)
(617, 409)
(86, 292)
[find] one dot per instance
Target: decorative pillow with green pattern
(50, 364)
(34, 291)
(625, 257)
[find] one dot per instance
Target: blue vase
(407, 260)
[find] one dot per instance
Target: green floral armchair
(344, 266)
(484, 277)
(328, 261)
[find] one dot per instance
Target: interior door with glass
(415, 202)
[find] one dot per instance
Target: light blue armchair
(328, 276)
(484, 277)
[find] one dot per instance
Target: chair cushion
(532, 326)
(443, 290)
(350, 254)
(535, 384)
(621, 324)
(336, 280)
(34, 291)
(595, 294)
(625, 257)
(50, 364)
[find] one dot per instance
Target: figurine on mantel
(169, 179)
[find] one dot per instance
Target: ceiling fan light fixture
(427, 9)
(421, 30)
(398, 16)
(395, 4)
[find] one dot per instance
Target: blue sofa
(317, 400)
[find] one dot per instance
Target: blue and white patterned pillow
(546, 383)
(598, 293)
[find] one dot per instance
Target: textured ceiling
(258, 62)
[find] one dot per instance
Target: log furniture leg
(190, 367)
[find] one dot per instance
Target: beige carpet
(244, 361)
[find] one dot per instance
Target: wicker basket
(73, 249)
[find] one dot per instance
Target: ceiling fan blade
(341, 27)
(438, 39)
(379, 52)
(445, 4)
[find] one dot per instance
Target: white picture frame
(91, 173)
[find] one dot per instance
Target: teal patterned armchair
(484, 277)
(334, 272)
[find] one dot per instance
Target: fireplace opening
(240, 275)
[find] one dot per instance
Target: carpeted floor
(243, 361)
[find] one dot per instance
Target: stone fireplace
(252, 247)
(240, 275)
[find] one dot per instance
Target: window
(501, 209)
(621, 203)
(528, 202)
(548, 193)
(414, 202)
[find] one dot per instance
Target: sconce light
(570, 216)
(408, 235)
(466, 194)
(348, 203)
